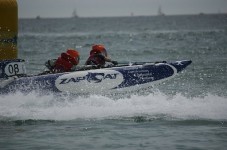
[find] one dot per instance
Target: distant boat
(132, 14)
(160, 13)
(74, 14)
(38, 17)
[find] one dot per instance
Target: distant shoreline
(200, 14)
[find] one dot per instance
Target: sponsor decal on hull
(89, 81)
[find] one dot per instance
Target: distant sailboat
(132, 14)
(160, 13)
(74, 14)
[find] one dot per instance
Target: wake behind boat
(120, 78)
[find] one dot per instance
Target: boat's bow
(180, 65)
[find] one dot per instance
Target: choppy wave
(152, 106)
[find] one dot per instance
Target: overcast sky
(98, 8)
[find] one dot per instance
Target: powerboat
(124, 77)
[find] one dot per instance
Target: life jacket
(96, 59)
(64, 63)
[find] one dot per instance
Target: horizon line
(192, 14)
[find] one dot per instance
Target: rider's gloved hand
(115, 62)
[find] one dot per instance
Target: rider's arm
(50, 64)
(109, 60)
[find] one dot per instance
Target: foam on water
(31, 106)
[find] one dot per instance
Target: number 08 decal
(15, 68)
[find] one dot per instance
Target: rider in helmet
(66, 62)
(98, 56)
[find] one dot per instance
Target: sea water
(186, 112)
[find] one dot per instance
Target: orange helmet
(98, 48)
(74, 54)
